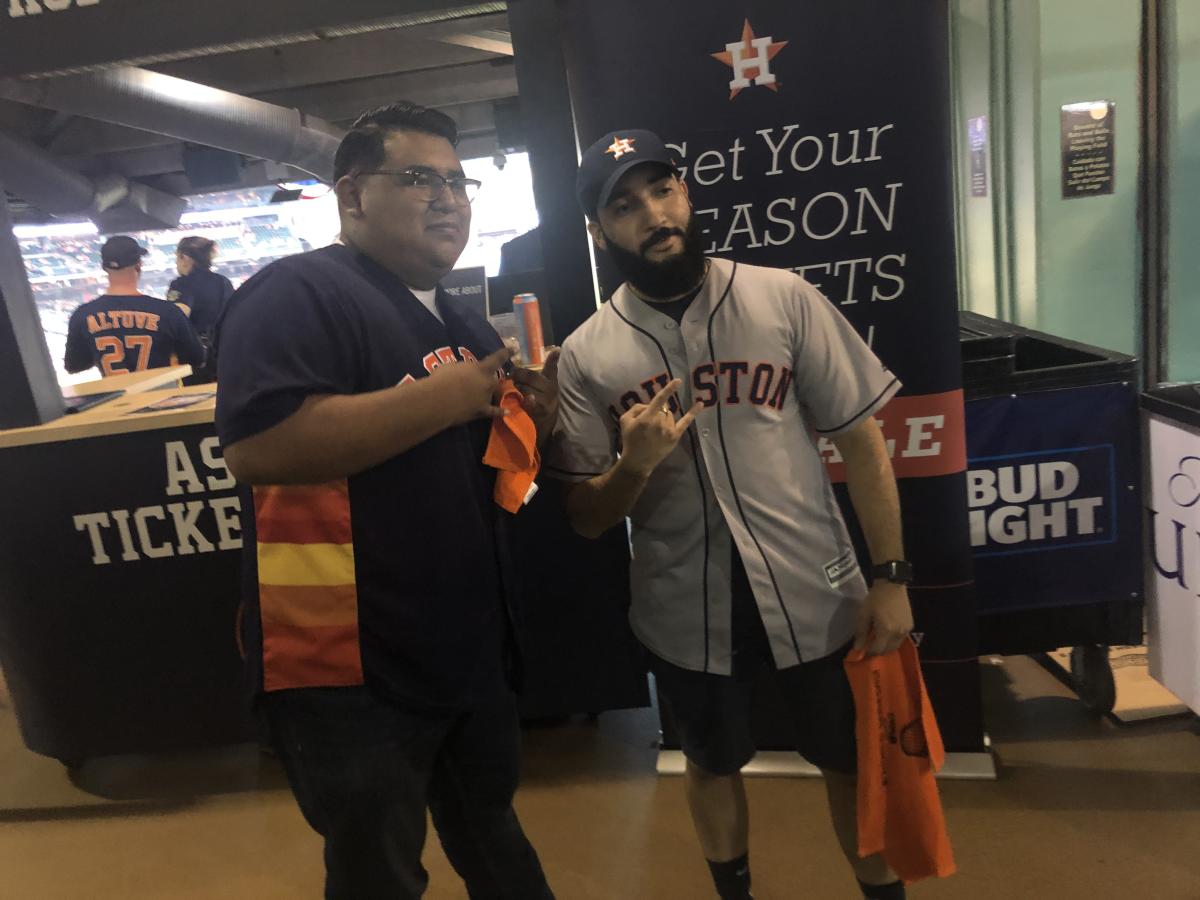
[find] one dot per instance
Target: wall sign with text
(1088, 148)
(977, 141)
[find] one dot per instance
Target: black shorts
(713, 712)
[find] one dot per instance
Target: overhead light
(58, 229)
(303, 190)
(489, 40)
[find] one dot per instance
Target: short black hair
(362, 147)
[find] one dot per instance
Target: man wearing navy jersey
(357, 402)
(124, 330)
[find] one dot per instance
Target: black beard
(669, 278)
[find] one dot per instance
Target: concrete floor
(1083, 809)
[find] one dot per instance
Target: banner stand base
(788, 764)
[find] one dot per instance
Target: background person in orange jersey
(124, 330)
(688, 404)
(378, 629)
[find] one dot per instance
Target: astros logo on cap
(621, 146)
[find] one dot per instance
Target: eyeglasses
(430, 185)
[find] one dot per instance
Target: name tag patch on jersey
(842, 569)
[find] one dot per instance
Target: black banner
(468, 287)
(119, 589)
(815, 137)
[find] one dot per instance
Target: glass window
(1183, 190)
(1088, 246)
(1028, 254)
(63, 260)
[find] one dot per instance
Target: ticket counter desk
(120, 549)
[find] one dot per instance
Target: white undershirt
(427, 300)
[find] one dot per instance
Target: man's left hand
(885, 620)
(539, 392)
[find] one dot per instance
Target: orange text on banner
(925, 437)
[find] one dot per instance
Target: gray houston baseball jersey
(775, 366)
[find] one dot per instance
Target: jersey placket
(686, 349)
(695, 517)
(705, 343)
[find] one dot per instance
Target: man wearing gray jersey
(692, 403)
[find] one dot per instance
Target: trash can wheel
(1093, 677)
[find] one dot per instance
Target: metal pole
(1154, 188)
(29, 392)
(549, 124)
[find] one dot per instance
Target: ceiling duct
(187, 111)
(112, 202)
(40, 180)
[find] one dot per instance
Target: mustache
(661, 235)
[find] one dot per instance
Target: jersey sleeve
(584, 441)
(80, 351)
(175, 296)
(283, 339)
(187, 344)
(839, 381)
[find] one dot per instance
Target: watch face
(898, 571)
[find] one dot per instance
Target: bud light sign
(1050, 500)
(1053, 498)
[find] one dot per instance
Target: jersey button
(704, 431)
(670, 326)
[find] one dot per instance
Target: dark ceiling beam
(85, 137)
(146, 33)
(437, 87)
(342, 59)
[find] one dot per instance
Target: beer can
(529, 328)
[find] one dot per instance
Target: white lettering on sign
(205, 525)
(921, 432)
(748, 69)
(1032, 502)
(20, 8)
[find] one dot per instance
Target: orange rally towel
(899, 750)
(512, 448)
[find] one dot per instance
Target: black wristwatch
(897, 571)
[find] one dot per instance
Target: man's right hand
(469, 388)
(650, 431)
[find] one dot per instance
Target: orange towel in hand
(512, 449)
(899, 750)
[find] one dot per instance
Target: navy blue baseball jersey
(130, 334)
(394, 577)
(204, 293)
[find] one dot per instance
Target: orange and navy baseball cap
(612, 156)
(121, 252)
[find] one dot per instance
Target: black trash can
(1054, 487)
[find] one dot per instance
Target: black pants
(364, 771)
(713, 712)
